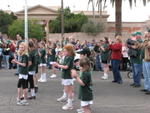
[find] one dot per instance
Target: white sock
(64, 95)
(18, 99)
(41, 76)
(32, 92)
(105, 75)
(44, 75)
(70, 101)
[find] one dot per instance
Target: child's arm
(19, 63)
(60, 66)
(39, 53)
(75, 75)
(79, 81)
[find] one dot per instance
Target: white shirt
(125, 52)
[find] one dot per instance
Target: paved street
(109, 97)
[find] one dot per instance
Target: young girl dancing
(67, 80)
(23, 73)
(85, 81)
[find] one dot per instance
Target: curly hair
(70, 49)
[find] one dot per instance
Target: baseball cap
(85, 51)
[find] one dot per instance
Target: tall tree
(118, 11)
(5, 20)
(93, 7)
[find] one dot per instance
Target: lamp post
(26, 22)
(62, 20)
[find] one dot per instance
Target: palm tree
(118, 11)
(93, 7)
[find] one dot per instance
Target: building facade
(47, 14)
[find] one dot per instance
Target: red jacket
(116, 51)
(12, 47)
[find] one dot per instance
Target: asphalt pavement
(108, 97)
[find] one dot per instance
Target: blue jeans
(137, 73)
(6, 61)
(98, 66)
(146, 73)
(115, 69)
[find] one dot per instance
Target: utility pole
(62, 21)
(26, 22)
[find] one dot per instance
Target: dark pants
(115, 69)
(125, 62)
(31, 81)
(137, 73)
(98, 66)
(22, 83)
(1, 58)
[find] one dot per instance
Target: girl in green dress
(66, 68)
(85, 81)
(23, 73)
(42, 55)
(105, 57)
(32, 68)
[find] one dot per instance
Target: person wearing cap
(146, 63)
(85, 52)
(139, 37)
(135, 59)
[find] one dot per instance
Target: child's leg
(19, 93)
(25, 93)
(31, 82)
(106, 69)
(69, 91)
(69, 105)
(44, 73)
(86, 109)
(63, 98)
(35, 77)
(25, 88)
(64, 94)
(19, 89)
(53, 69)
(53, 72)
(72, 92)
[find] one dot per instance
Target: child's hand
(14, 61)
(55, 64)
(74, 73)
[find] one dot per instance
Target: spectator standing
(116, 56)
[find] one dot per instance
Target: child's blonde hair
(25, 49)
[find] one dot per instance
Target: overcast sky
(138, 13)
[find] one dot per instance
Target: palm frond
(144, 2)
(130, 2)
